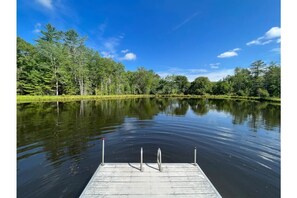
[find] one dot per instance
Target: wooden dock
(182, 180)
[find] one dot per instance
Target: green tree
(241, 81)
(168, 85)
(257, 68)
(223, 87)
(143, 81)
(182, 84)
(32, 77)
(200, 86)
(51, 52)
(257, 72)
(79, 56)
(272, 80)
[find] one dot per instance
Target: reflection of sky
(212, 117)
(129, 124)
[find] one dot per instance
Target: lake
(59, 144)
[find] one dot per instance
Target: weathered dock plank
(126, 180)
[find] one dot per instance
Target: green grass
(65, 98)
(271, 99)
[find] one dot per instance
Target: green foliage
(263, 93)
(182, 84)
(143, 81)
(272, 80)
(201, 86)
(222, 87)
(241, 82)
(32, 75)
(61, 64)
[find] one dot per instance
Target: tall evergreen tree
(52, 54)
(257, 70)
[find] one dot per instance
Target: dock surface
(182, 180)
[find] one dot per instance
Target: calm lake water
(59, 144)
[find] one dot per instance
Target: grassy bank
(65, 98)
(270, 99)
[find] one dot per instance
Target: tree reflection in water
(67, 127)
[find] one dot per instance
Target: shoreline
(68, 98)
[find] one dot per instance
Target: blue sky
(188, 37)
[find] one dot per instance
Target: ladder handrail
(195, 154)
(141, 159)
(102, 163)
(159, 159)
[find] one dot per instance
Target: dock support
(141, 159)
(102, 163)
(195, 153)
(159, 159)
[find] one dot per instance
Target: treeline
(61, 64)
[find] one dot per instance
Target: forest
(60, 63)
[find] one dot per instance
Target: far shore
(65, 98)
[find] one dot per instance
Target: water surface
(59, 144)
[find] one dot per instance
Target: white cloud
(129, 56)
(46, 3)
(236, 49)
(109, 49)
(214, 65)
(192, 74)
(271, 35)
(229, 53)
(124, 51)
(274, 32)
(37, 27)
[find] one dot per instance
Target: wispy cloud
(192, 74)
(214, 65)
(46, 3)
(271, 35)
(37, 27)
(187, 20)
(102, 28)
(229, 53)
(111, 43)
(110, 49)
(124, 51)
(276, 50)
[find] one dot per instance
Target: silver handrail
(195, 154)
(159, 159)
(102, 163)
(141, 159)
